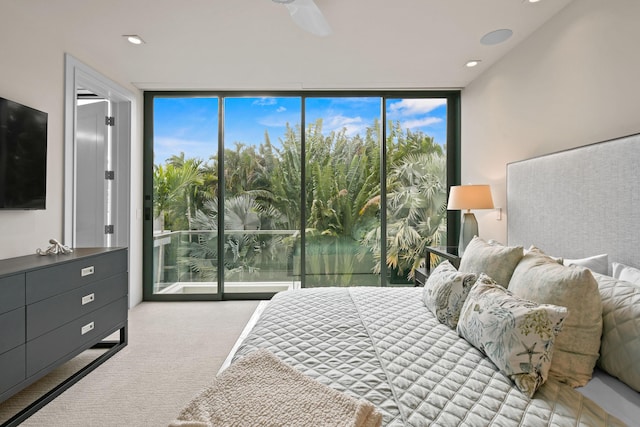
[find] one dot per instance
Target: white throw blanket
(261, 390)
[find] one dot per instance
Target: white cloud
(265, 101)
(418, 123)
(352, 125)
(410, 107)
(279, 120)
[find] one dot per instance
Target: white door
(91, 187)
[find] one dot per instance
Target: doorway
(97, 159)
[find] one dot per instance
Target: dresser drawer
(49, 314)
(11, 292)
(53, 346)
(47, 282)
(12, 326)
(12, 369)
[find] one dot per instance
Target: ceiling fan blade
(308, 16)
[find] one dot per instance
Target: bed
(401, 350)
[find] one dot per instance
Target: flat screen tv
(23, 156)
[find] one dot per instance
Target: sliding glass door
(251, 195)
(416, 181)
(185, 180)
(343, 190)
(261, 201)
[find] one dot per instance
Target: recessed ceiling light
(533, 1)
(472, 63)
(133, 38)
(497, 36)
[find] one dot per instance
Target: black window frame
(453, 161)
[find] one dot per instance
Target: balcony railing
(185, 261)
(256, 261)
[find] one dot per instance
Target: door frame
(452, 161)
(77, 74)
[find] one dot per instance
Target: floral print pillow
(445, 291)
(516, 334)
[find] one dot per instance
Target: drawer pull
(86, 328)
(87, 271)
(88, 298)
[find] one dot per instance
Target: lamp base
(468, 230)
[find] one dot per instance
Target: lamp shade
(470, 197)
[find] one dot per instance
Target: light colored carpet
(175, 349)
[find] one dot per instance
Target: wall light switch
(498, 214)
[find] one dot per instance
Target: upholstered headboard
(580, 202)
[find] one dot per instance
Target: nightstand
(449, 253)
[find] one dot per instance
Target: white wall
(32, 73)
(575, 81)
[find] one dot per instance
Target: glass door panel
(185, 178)
(300, 194)
(262, 194)
(342, 191)
(416, 208)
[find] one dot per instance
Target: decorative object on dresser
(55, 248)
(469, 197)
(53, 308)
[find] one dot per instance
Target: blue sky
(191, 124)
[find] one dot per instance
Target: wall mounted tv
(23, 156)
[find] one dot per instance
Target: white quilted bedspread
(385, 346)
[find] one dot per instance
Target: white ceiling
(254, 44)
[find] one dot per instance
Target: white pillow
(626, 273)
(597, 263)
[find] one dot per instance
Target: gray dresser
(54, 307)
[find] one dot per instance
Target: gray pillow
(620, 347)
(494, 260)
(445, 291)
(541, 279)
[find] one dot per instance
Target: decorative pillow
(620, 347)
(624, 272)
(517, 335)
(541, 279)
(597, 263)
(539, 251)
(445, 291)
(494, 260)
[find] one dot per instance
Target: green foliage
(244, 252)
(263, 188)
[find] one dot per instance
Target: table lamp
(469, 197)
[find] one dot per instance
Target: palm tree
(176, 185)
(245, 251)
(416, 212)
(342, 174)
